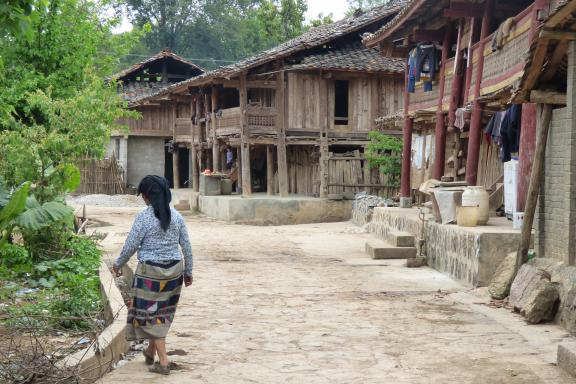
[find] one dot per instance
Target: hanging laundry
(422, 66)
(492, 130)
(502, 32)
(510, 132)
(426, 62)
(411, 87)
(460, 121)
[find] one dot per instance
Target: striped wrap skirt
(154, 297)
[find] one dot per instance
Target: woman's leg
(160, 345)
(151, 350)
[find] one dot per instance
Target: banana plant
(19, 210)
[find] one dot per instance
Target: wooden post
(476, 119)
(324, 147)
(194, 166)
(239, 162)
(405, 194)
(456, 90)
(269, 170)
(469, 60)
(176, 167)
(245, 140)
(215, 146)
(534, 186)
(440, 130)
(209, 162)
(281, 132)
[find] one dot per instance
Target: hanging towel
(460, 121)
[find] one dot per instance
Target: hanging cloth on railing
(510, 132)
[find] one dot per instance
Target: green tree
(216, 32)
(57, 106)
(384, 152)
(16, 16)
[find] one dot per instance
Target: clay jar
(477, 197)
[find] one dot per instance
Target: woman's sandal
(160, 369)
(147, 358)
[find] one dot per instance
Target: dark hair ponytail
(157, 191)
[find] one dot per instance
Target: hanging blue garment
(411, 86)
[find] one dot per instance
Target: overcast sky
(337, 7)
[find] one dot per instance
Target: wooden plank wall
(303, 93)
(369, 97)
(490, 168)
(155, 120)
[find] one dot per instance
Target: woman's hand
(187, 281)
(116, 271)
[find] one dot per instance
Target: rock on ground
(502, 280)
(534, 295)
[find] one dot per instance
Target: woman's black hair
(157, 191)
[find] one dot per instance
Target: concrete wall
(275, 211)
(119, 147)
(469, 255)
(145, 157)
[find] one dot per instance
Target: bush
(68, 287)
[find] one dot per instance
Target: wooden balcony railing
(261, 120)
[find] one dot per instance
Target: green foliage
(384, 152)
(26, 213)
(68, 288)
(217, 31)
(17, 16)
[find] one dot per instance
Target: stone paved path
(303, 304)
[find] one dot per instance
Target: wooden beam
(540, 53)
(281, 130)
(245, 139)
(548, 97)
(324, 148)
(194, 168)
(558, 35)
(554, 62)
(269, 170)
(458, 13)
(534, 185)
(561, 15)
(215, 146)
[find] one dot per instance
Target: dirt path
(303, 304)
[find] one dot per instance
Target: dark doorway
(258, 165)
(341, 102)
(168, 174)
(184, 166)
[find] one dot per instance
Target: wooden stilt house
(296, 116)
(143, 150)
(465, 62)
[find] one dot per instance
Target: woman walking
(156, 234)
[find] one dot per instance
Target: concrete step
(567, 357)
(400, 239)
(380, 250)
(182, 205)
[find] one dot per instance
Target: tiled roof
(313, 38)
(134, 91)
(352, 58)
(403, 13)
(165, 53)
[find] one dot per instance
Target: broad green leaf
(40, 217)
(16, 204)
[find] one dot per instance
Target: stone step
(400, 239)
(380, 250)
(182, 205)
(567, 357)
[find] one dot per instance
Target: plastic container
(477, 197)
(517, 220)
(466, 216)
